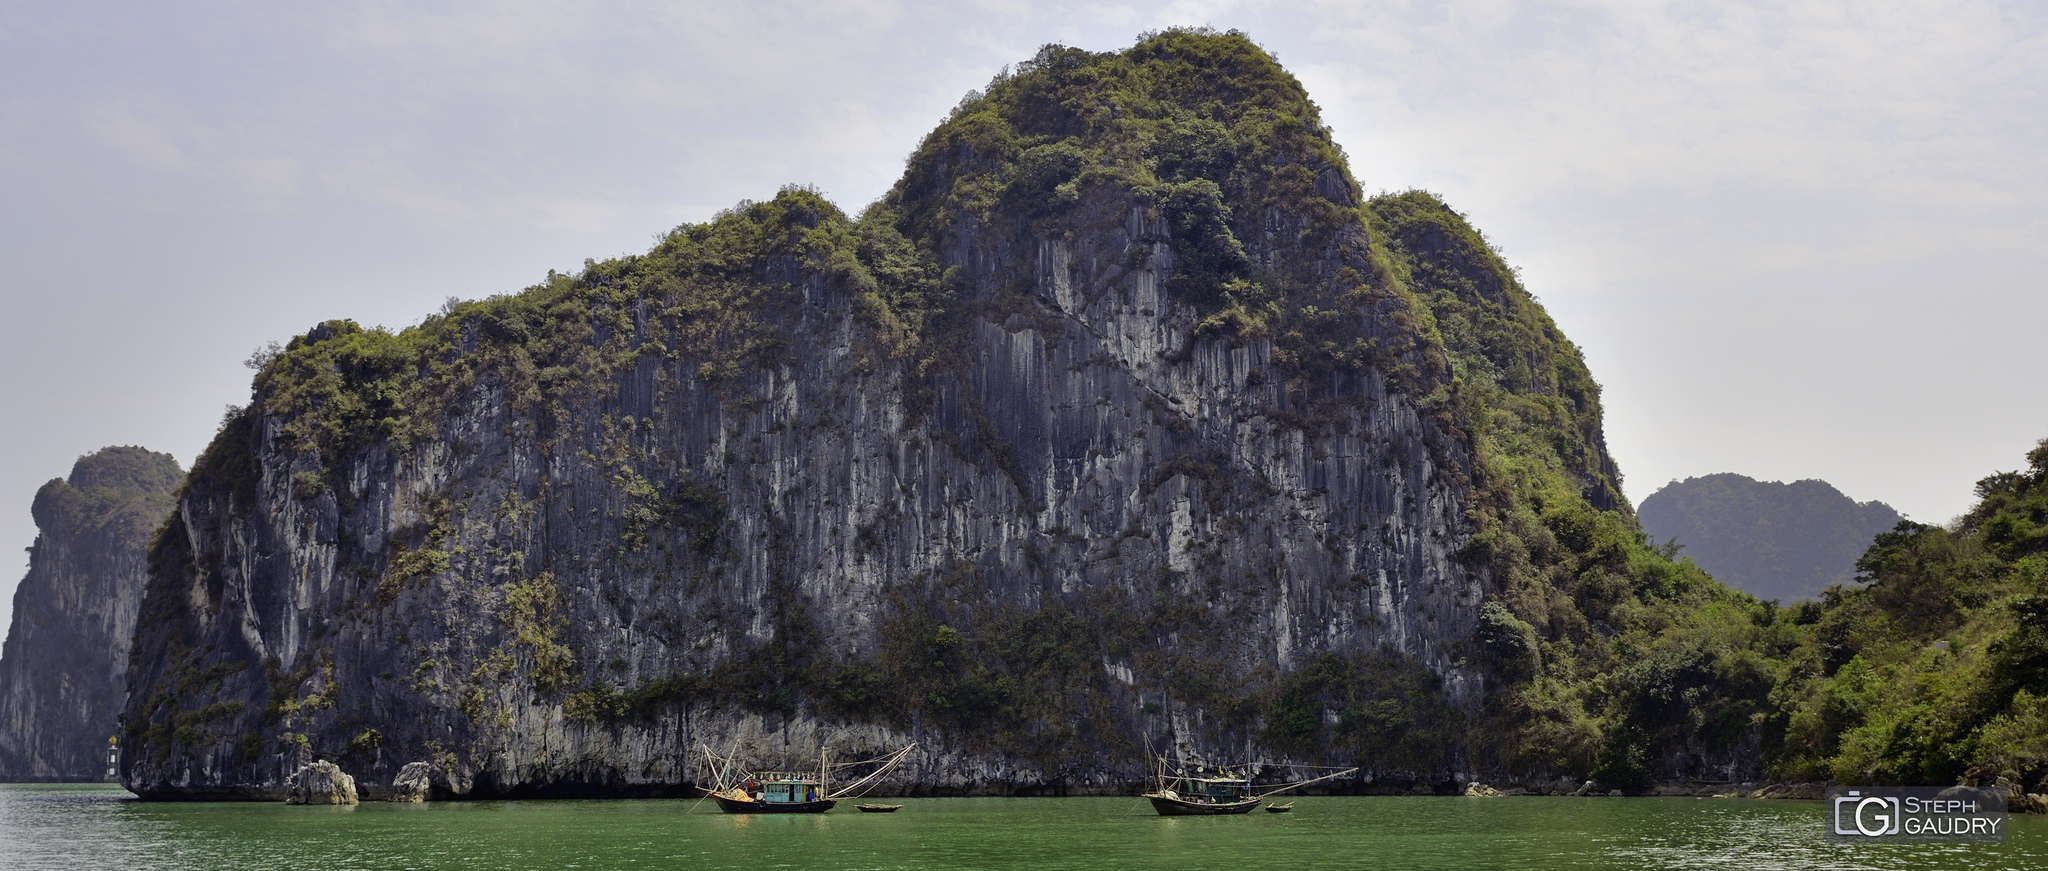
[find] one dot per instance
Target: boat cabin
(1216, 790)
(776, 787)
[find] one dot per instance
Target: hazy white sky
(1794, 239)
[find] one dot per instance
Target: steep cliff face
(1122, 420)
(62, 669)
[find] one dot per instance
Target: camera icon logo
(1867, 815)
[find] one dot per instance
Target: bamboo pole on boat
(717, 776)
(708, 769)
(1306, 782)
(892, 760)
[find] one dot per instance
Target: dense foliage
(1936, 658)
(1777, 541)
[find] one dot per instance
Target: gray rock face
(66, 655)
(322, 782)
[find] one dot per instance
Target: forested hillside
(1936, 658)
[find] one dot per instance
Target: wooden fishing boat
(791, 792)
(1279, 808)
(878, 808)
(775, 792)
(1220, 793)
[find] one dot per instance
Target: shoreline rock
(322, 782)
(413, 784)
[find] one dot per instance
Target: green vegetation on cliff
(117, 485)
(1224, 151)
(701, 293)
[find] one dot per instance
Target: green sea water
(91, 826)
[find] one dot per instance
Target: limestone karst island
(1126, 426)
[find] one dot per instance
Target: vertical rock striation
(1122, 420)
(62, 669)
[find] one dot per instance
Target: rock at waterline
(1475, 789)
(320, 783)
(413, 782)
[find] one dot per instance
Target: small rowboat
(1279, 808)
(879, 808)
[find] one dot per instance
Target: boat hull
(1174, 807)
(747, 806)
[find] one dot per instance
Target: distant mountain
(1773, 540)
(62, 667)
